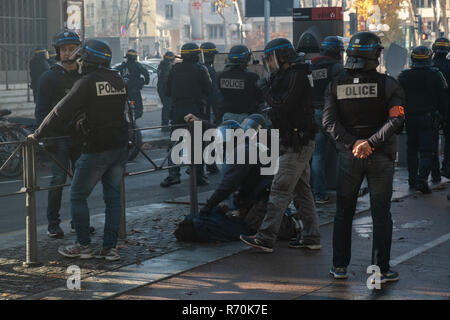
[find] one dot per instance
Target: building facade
(24, 26)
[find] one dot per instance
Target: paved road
(421, 242)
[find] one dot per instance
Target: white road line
(419, 250)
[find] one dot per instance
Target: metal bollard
(123, 221)
(193, 176)
(29, 178)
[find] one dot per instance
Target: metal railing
(29, 149)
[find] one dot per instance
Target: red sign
(327, 13)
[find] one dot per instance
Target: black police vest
(237, 88)
(131, 72)
(361, 103)
(65, 79)
(186, 86)
(105, 113)
(321, 74)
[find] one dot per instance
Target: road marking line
(419, 250)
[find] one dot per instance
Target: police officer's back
(240, 96)
(163, 72)
(426, 100)
(188, 84)
(96, 108)
(441, 48)
(38, 65)
(326, 67)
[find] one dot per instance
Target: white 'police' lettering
(320, 74)
(232, 84)
(106, 89)
(357, 91)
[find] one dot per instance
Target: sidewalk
(149, 254)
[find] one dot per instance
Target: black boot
(170, 180)
(423, 187)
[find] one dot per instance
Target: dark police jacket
(425, 91)
(357, 106)
(163, 72)
(97, 102)
(54, 85)
(38, 65)
(189, 86)
(290, 95)
(238, 91)
(131, 71)
(324, 69)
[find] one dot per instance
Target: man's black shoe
(167, 182)
(256, 243)
(55, 231)
(423, 187)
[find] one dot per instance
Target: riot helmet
(131, 55)
(209, 50)
(239, 55)
(254, 121)
(190, 52)
(93, 53)
(332, 46)
(40, 53)
(421, 57)
(278, 52)
(169, 56)
(363, 51)
(441, 46)
(63, 38)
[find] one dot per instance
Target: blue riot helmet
(228, 124)
(239, 55)
(63, 38)
(254, 121)
(332, 46)
(363, 51)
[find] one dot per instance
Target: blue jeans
(318, 178)
(106, 166)
(65, 152)
(379, 171)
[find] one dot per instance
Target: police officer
(163, 72)
(54, 85)
(240, 96)
(131, 71)
(52, 57)
(441, 48)
(363, 112)
(289, 92)
(426, 99)
(324, 68)
(38, 65)
(98, 99)
(189, 87)
(209, 51)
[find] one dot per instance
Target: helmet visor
(76, 54)
(271, 62)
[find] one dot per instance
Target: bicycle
(10, 132)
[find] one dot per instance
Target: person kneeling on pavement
(215, 222)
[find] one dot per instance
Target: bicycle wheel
(14, 168)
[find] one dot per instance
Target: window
(169, 11)
(187, 31)
(215, 31)
(103, 25)
(145, 28)
(103, 4)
